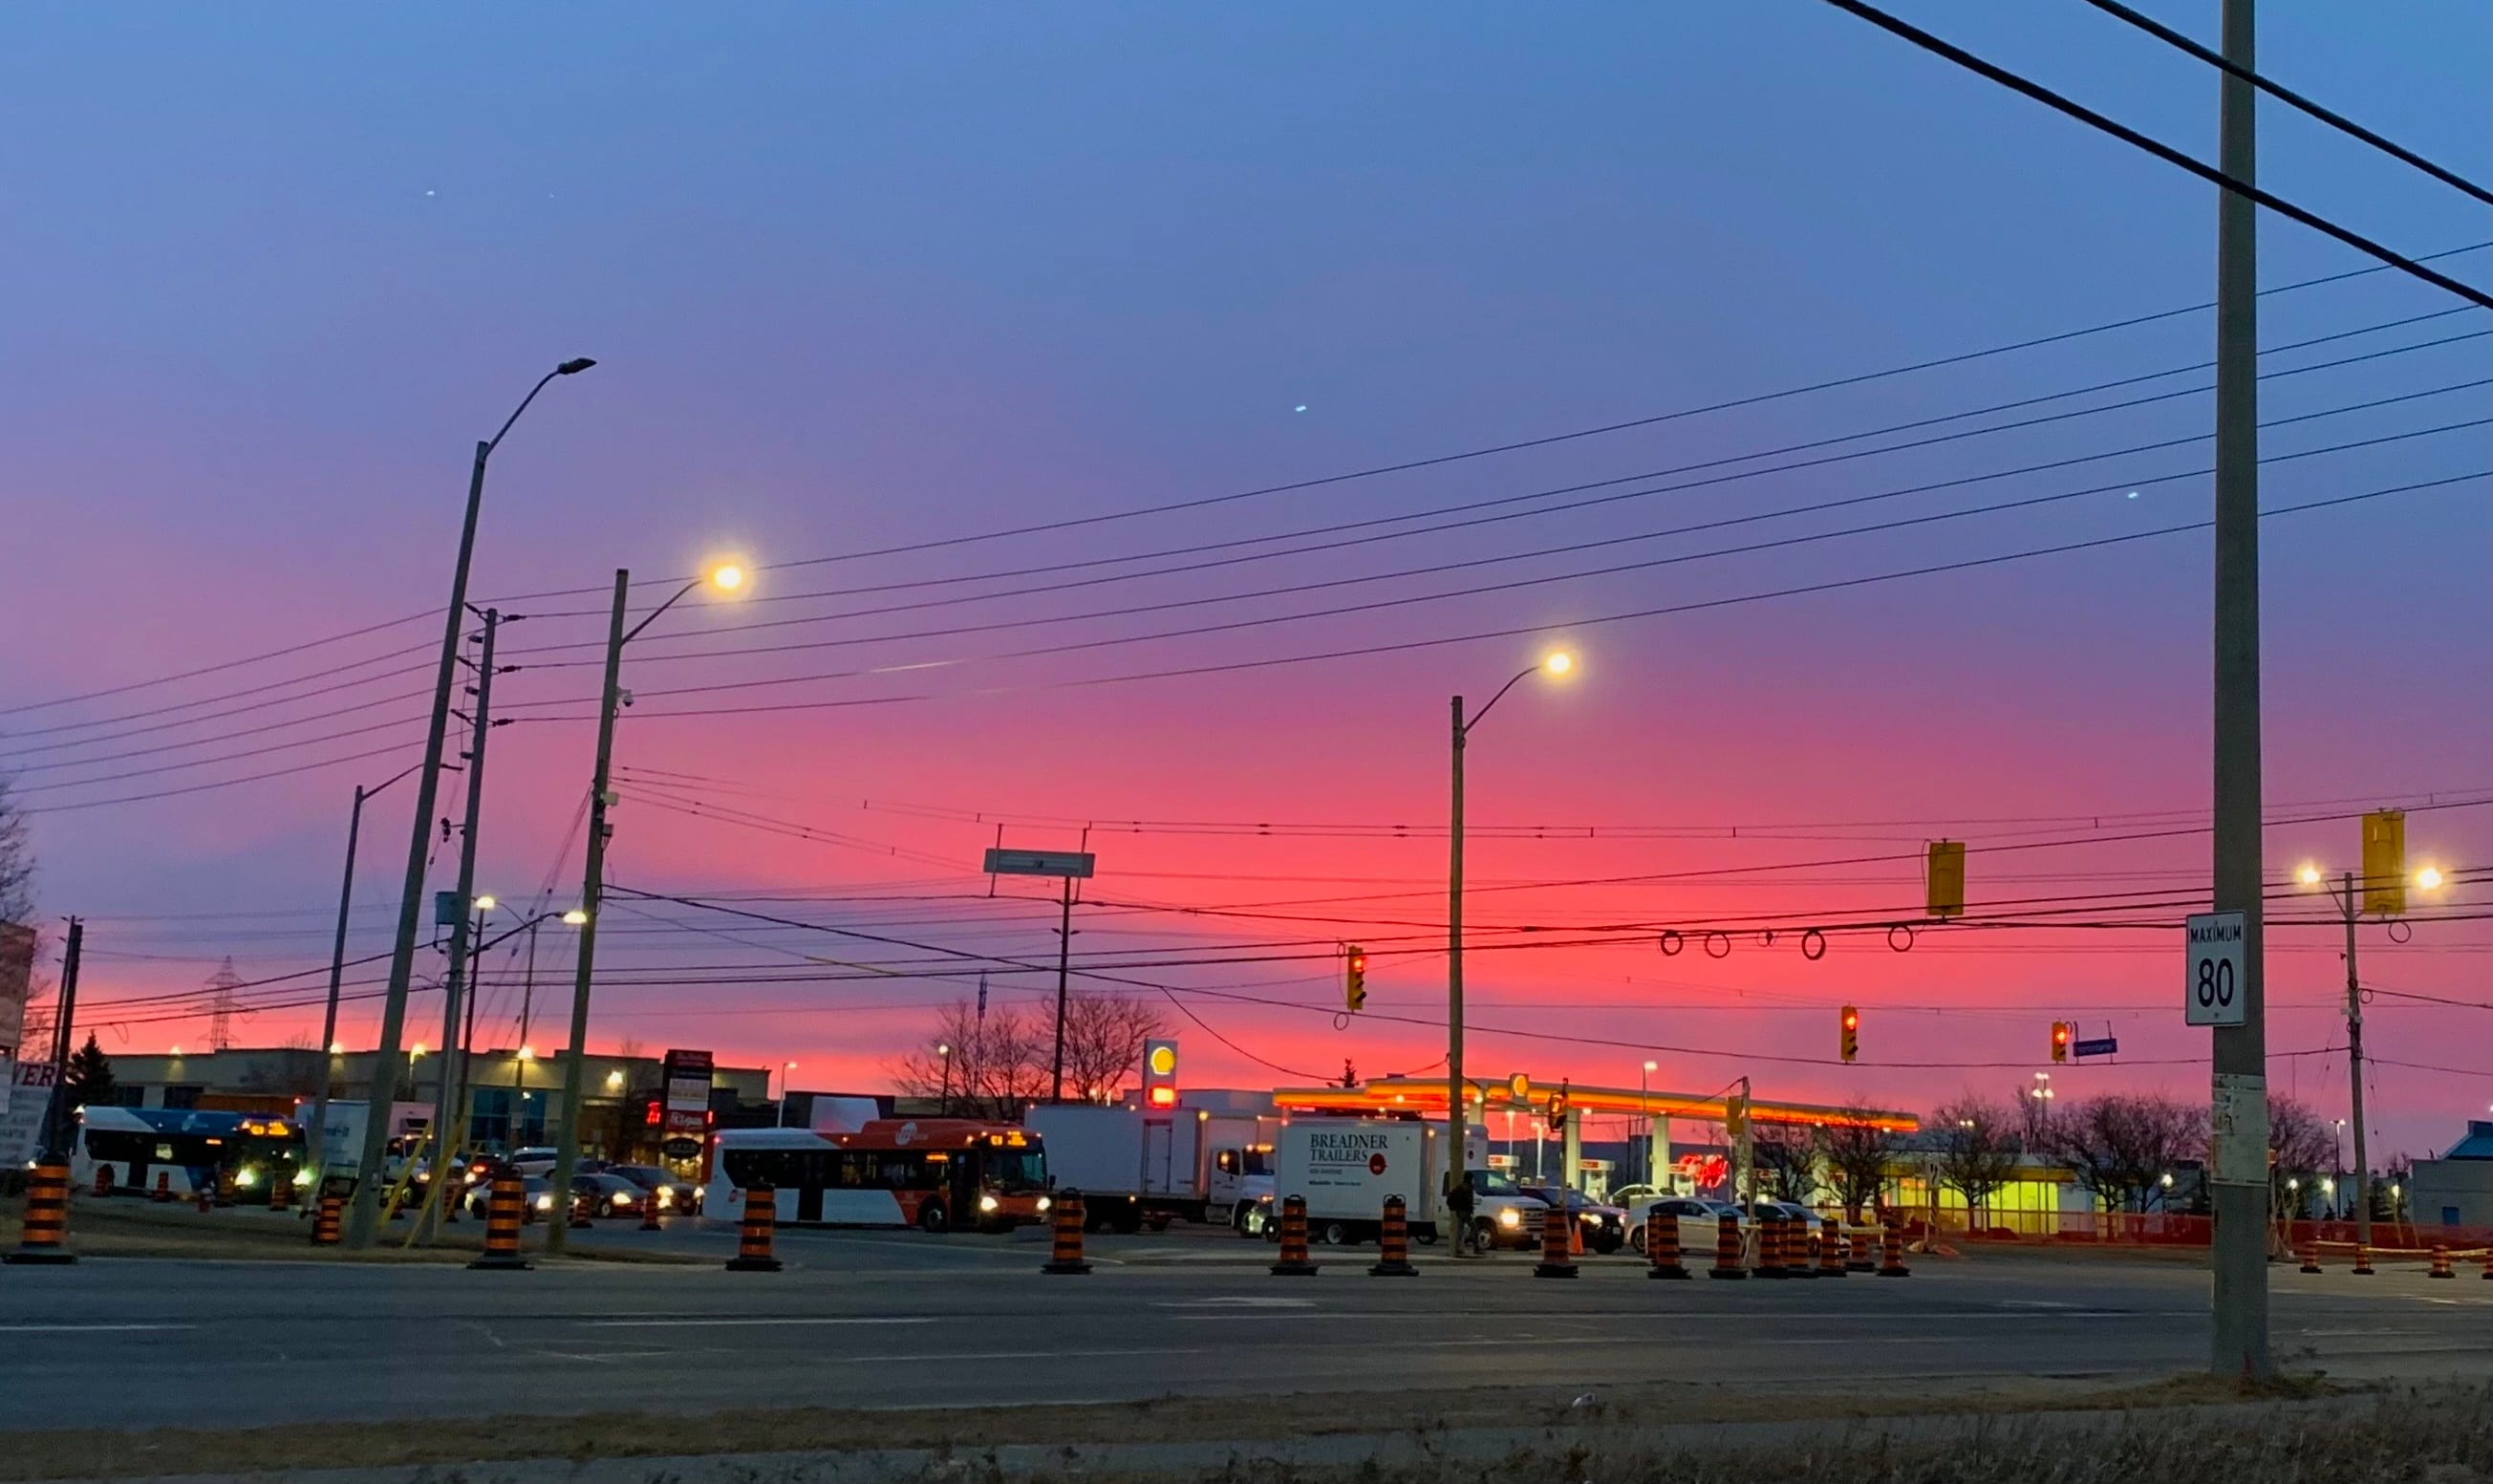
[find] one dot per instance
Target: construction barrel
(1891, 1254)
(1770, 1245)
(1830, 1249)
(503, 1203)
(1064, 1253)
(1394, 1242)
(1726, 1249)
(1556, 1259)
(326, 1220)
(1662, 1245)
(45, 1236)
(754, 1233)
(1293, 1261)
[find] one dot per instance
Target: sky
(876, 290)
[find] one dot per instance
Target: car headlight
(1510, 1216)
(1044, 1203)
(665, 1198)
(621, 1199)
(545, 1203)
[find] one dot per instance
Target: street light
(575, 918)
(1643, 1079)
(943, 1105)
(363, 1216)
(1557, 662)
(486, 902)
(784, 1069)
(320, 1140)
(2350, 908)
(724, 578)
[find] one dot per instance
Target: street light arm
(635, 632)
(392, 778)
(1477, 716)
(496, 441)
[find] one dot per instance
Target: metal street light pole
(2355, 1071)
(364, 1212)
(320, 1140)
(2239, 1177)
(592, 893)
(1558, 663)
(445, 1104)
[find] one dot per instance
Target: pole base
(2441, 1275)
(40, 1256)
(1294, 1270)
(1895, 1272)
(1803, 1271)
(1727, 1274)
(1392, 1270)
(1769, 1273)
(500, 1263)
(2309, 1268)
(753, 1264)
(1850, 1267)
(1074, 1269)
(1673, 1271)
(1554, 1270)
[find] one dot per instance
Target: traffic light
(1851, 1038)
(1160, 1074)
(2384, 862)
(1558, 1111)
(2060, 1041)
(1735, 1116)
(1353, 978)
(1944, 882)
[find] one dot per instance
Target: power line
(2288, 96)
(2017, 82)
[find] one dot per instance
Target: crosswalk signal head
(1354, 978)
(2060, 1041)
(1852, 1033)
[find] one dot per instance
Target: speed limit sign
(2212, 981)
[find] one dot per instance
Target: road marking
(87, 1329)
(1235, 1301)
(774, 1321)
(2034, 1303)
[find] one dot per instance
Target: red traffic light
(1853, 1019)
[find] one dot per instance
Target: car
(534, 1160)
(1605, 1227)
(607, 1193)
(1701, 1220)
(536, 1198)
(672, 1194)
(1793, 1211)
(1504, 1214)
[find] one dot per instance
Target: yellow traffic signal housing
(1353, 978)
(2384, 862)
(2060, 1041)
(1851, 1038)
(1945, 878)
(1735, 1116)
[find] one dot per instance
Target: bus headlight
(1044, 1203)
(303, 1177)
(1510, 1216)
(989, 1204)
(245, 1176)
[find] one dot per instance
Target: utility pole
(592, 903)
(518, 1055)
(363, 1214)
(56, 1140)
(319, 1149)
(445, 1107)
(1456, 1120)
(2238, 1173)
(1064, 971)
(2354, 1073)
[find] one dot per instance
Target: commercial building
(512, 1095)
(2455, 1190)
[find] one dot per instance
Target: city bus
(125, 1149)
(937, 1174)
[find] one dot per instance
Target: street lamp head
(527, 1053)
(615, 1079)
(2168, 1179)
(2309, 875)
(1558, 662)
(943, 1048)
(2429, 878)
(727, 577)
(486, 902)
(574, 367)
(576, 918)
(415, 1050)
(337, 1049)
(1653, 1066)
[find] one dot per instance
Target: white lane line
(768, 1322)
(88, 1329)
(1235, 1301)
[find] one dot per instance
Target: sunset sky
(875, 289)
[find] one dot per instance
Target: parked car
(671, 1193)
(536, 1198)
(1793, 1211)
(535, 1159)
(1605, 1226)
(1701, 1220)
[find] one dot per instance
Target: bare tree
(2301, 1148)
(1787, 1166)
(2121, 1145)
(1103, 1042)
(1853, 1153)
(1975, 1152)
(979, 1067)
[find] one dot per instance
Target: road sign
(2212, 989)
(1041, 862)
(2108, 1045)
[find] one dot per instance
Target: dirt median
(134, 1229)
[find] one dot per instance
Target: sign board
(2238, 1131)
(2107, 1046)
(21, 1125)
(680, 1148)
(687, 1095)
(2212, 985)
(1041, 862)
(17, 979)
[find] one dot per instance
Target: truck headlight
(989, 1204)
(1510, 1216)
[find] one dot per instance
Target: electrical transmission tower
(222, 986)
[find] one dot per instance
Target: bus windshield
(1014, 1171)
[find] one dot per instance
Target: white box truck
(1346, 1166)
(1149, 1167)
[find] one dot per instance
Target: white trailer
(1136, 1167)
(1346, 1166)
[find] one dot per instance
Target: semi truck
(1138, 1167)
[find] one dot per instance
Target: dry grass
(1610, 1429)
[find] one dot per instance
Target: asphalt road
(897, 1320)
